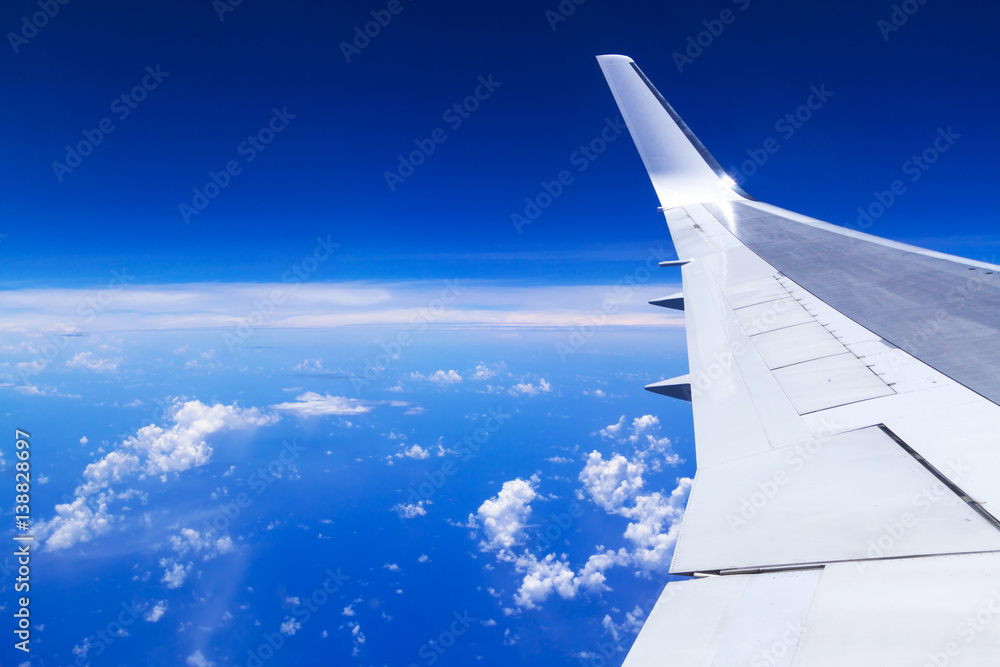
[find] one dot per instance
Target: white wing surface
(846, 398)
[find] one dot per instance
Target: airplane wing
(846, 399)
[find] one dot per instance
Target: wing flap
(919, 611)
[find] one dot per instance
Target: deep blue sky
(324, 174)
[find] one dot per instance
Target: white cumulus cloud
(174, 573)
(441, 377)
(530, 389)
(156, 612)
(289, 626)
(410, 510)
(152, 451)
(196, 659)
(502, 518)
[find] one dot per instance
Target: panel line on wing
(944, 479)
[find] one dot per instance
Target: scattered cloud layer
(440, 377)
(326, 305)
(616, 485)
(153, 451)
(88, 362)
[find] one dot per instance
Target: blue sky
(163, 358)
(324, 174)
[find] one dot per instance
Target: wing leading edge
(845, 396)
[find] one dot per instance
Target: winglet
(680, 167)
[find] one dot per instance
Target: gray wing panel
(944, 312)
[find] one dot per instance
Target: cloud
(484, 305)
(74, 523)
(441, 377)
(530, 389)
(88, 362)
(174, 573)
(196, 659)
(644, 438)
(551, 574)
(542, 578)
(357, 637)
(413, 452)
(392, 567)
(157, 611)
(630, 626)
(409, 510)
(33, 390)
(313, 365)
(502, 518)
(348, 610)
(656, 525)
(483, 372)
(592, 577)
(613, 482)
(181, 446)
(615, 485)
(290, 626)
(190, 540)
(152, 451)
(311, 404)
(613, 432)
